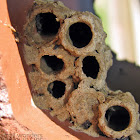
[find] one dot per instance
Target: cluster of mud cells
(69, 62)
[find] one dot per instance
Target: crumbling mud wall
(69, 61)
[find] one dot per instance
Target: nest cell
(91, 65)
(58, 92)
(118, 118)
(83, 108)
(51, 64)
(81, 104)
(80, 33)
(55, 63)
(118, 115)
(57, 89)
(44, 22)
(50, 94)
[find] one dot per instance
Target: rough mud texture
(35, 31)
(50, 94)
(92, 65)
(85, 102)
(118, 115)
(136, 134)
(69, 62)
(71, 34)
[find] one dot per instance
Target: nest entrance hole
(57, 89)
(90, 66)
(80, 34)
(118, 118)
(46, 24)
(51, 64)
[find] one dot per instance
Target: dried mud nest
(69, 61)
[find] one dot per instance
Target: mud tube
(92, 65)
(83, 108)
(52, 61)
(118, 116)
(50, 94)
(81, 33)
(43, 22)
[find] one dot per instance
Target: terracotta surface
(16, 81)
(18, 89)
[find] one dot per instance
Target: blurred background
(121, 22)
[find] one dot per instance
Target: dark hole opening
(80, 34)
(124, 138)
(118, 118)
(46, 24)
(41, 94)
(76, 85)
(96, 51)
(51, 109)
(33, 68)
(51, 64)
(86, 124)
(71, 121)
(138, 131)
(74, 117)
(57, 89)
(101, 133)
(90, 66)
(56, 46)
